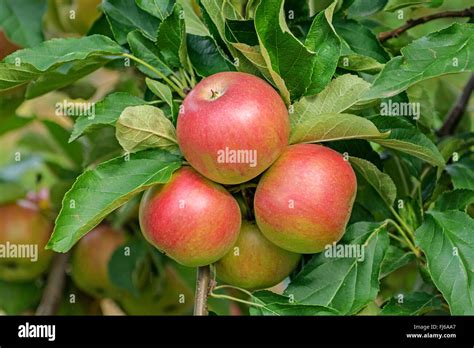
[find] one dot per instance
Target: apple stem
(52, 294)
(202, 290)
(214, 94)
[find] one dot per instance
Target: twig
(455, 115)
(384, 36)
(54, 287)
(202, 289)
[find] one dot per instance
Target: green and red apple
(25, 231)
(304, 201)
(232, 126)
(254, 262)
(90, 261)
(191, 219)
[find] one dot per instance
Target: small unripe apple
(254, 262)
(304, 201)
(232, 127)
(191, 219)
(90, 261)
(166, 295)
(24, 232)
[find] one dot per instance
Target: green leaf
(381, 182)
(97, 192)
(394, 5)
(241, 31)
(295, 68)
(145, 126)
(330, 127)
(417, 303)
(192, 22)
(362, 8)
(395, 258)
(56, 63)
(462, 173)
(16, 298)
(105, 146)
(159, 8)
(447, 240)
(146, 50)
(122, 266)
(356, 62)
(359, 40)
(241, 35)
(205, 56)
(404, 137)
(288, 60)
(275, 304)
(73, 151)
(64, 76)
(21, 20)
(13, 122)
(339, 95)
(368, 198)
(125, 16)
(12, 76)
(215, 13)
(171, 39)
(443, 52)
(325, 43)
(55, 52)
(318, 118)
(106, 113)
(163, 92)
(419, 94)
(345, 284)
(456, 199)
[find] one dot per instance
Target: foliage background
(413, 209)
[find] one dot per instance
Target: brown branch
(384, 36)
(455, 115)
(53, 291)
(203, 280)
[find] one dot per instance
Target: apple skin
(6, 46)
(90, 261)
(259, 263)
(24, 225)
(246, 113)
(191, 219)
(304, 201)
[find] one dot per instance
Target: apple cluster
(233, 130)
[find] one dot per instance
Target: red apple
(254, 262)
(90, 261)
(304, 201)
(232, 127)
(191, 219)
(24, 232)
